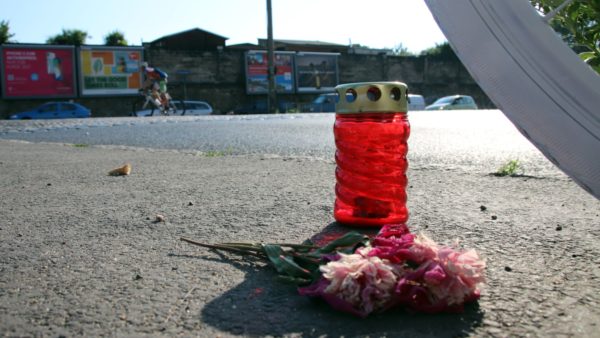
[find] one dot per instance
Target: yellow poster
(110, 70)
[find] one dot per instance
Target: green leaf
(587, 57)
(284, 264)
(294, 280)
(308, 262)
(349, 239)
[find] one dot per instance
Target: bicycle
(149, 105)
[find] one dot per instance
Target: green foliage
(511, 168)
(579, 25)
(68, 37)
(400, 50)
(5, 34)
(115, 38)
(218, 153)
(441, 50)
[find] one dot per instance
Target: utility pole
(272, 99)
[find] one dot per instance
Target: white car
(193, 108)
(416, 102)
(187, 108)
(453, 102)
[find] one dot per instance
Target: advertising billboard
(257, 81)
(109, 70)
(30, 71)
(316, 72)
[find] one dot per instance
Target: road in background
(483, 139)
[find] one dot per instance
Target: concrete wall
(218, 77)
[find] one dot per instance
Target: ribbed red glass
(371, 168)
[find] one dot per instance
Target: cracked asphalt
(83, 255)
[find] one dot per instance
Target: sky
(374, 23)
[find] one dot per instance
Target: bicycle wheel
(172, 109)
(143, 108)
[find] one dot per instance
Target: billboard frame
(302, 89)
(266, 90)
(85, 92)
(5, 95)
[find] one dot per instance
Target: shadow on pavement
(262, 305)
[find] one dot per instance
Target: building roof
(245, 46)
(304, 45)
(194, 39)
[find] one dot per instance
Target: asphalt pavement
(84, 253)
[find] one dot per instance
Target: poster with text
(109, 70)
(316, 72)
(30, 71)
(257, 81)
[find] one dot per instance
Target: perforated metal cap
(376, 97)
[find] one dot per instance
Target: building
(192, 39)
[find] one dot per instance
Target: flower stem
(242, 251)
(287, 245)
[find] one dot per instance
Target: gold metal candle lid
(379, 97)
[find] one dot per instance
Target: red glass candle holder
(371, 131)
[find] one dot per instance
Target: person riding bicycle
(156, 80)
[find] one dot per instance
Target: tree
(579, 25)
(69, 37)
(5, 34)
(400, 50)
(115, 38)
(441, 50)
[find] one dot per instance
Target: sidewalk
(82, 254)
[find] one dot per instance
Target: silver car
(187, 108)
(452, 103)
(416, 102)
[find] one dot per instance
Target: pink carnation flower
(356, 283)
(465, 270)
(396, 244)
(443, 283)
(393, 243)
(400, 268)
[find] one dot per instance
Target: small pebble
(559, 228)
(191, 203)
(494, 217)
(482, 208)
(159, 218)
(507, 269)
(137, 277)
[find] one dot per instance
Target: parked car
(260, 107)
(322, 103)
(187, 108)
(453, 102)
(194, 107)
(54, 110)
(416, 102)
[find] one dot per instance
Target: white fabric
(538, 82)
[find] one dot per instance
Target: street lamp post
(272, 99)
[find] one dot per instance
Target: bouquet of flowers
(362, 275)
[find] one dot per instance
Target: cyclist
(156, 80)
